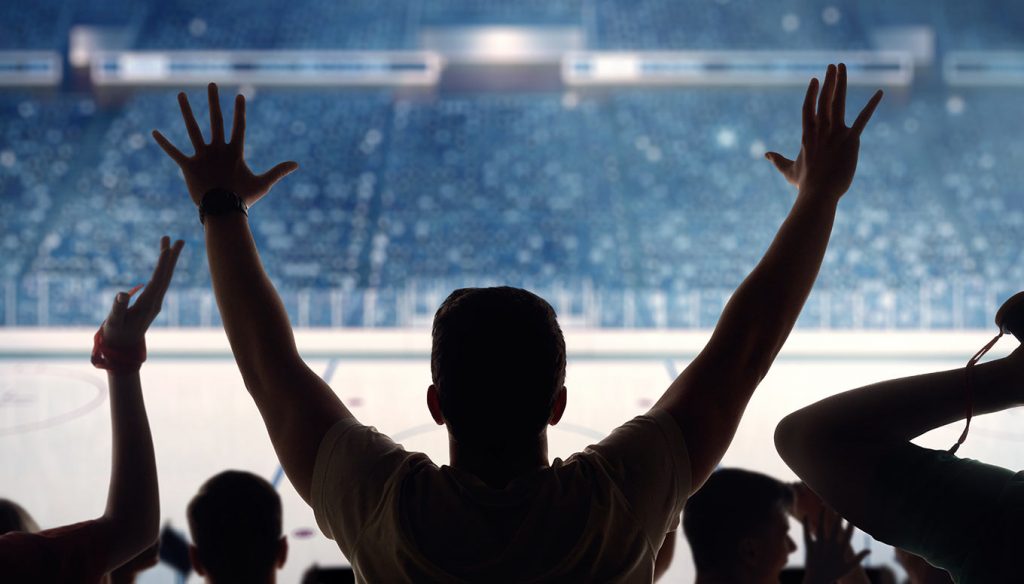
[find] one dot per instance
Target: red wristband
(111, 359)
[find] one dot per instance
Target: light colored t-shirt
(601, 515)
(962, 515)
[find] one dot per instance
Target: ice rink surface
(55, 423)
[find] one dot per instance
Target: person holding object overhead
(85, 552)
(502, 511)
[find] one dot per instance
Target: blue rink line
(332, 367)
(670, 367)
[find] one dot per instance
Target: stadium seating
(631, 208)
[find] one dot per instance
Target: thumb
(278, 172)
(781, 162)
(119, 309)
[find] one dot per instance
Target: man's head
(235, 520)
(737, 525)
(498, 366)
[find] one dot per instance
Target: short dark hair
(235, 520)
(498, 362)
(731, 505)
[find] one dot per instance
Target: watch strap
(218, 201)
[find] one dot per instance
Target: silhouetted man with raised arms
(502, 512)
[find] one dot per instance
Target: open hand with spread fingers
(220, 164)
(126, 326)
(828, 151)
(829, 553)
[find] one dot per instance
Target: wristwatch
(218, 201)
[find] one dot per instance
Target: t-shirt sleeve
(355, 467)
(935, 505)
(69, 554)
(648, 461)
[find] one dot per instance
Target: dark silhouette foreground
(854, 449)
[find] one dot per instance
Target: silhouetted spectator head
(235, 521)
(498, 366)
(738, 527)
(13, 517)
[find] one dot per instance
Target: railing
(934, 304)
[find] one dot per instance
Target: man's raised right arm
(298, 407)
(708, 398)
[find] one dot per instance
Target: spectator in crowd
(498, 372)
(855, 450)
(235, 521)
(738, 528)
(13, 517)
(87, 551)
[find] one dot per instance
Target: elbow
(805, 442)
(787, 440)
(793, 438)
(266, 370)
(136, 531)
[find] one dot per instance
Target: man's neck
(498, 468)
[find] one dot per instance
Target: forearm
(708, 399)
(838, 444)
(763, 310)
(899, 410)
(254, 317)
(133, 502)
(298, 407)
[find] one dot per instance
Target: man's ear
(193, 556)
(282, 551)
(434, 404)
(559, 406)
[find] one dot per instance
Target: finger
(238, 125)
(855, 561)
(175, 154)
(280, 171)
(825, 100)
(783, 164)
(837, 525)
(216, 117)
(119, 309)
(808, 111)
(152, 297)
(839, 101)
(807, 533)
(866, 113)
(847, 533)
(168, 260)
(194, 133)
